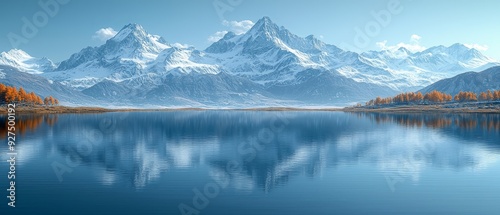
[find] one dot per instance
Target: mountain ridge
(269, 56)
(476, 82)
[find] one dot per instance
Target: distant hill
(471, 81)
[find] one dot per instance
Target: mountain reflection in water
(143, 147)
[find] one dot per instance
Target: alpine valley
(266, 66)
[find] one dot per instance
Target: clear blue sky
(192, 22)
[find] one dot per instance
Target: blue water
(229, 162)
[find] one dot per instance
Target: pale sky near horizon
(384, 24)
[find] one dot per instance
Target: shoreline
(421, 110)
(97, 110)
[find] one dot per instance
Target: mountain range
(267, 65)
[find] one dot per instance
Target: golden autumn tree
(39, 100)
(496, 95)
(52, 100)
(465, 97)
(46, 101)
(31, 98)
(483, 96)
(419, 97)
(23, 96)
(489, 95)
(11, 94)
(434, 96)
(450, 98)
(410, 97)
(3, 88)
(471, 96)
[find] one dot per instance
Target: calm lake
(230, 162)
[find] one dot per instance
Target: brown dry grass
(422, 109)
(289, 109)
(56, 109)
(402, 109)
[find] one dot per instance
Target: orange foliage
(28, 123)
(483, 96)
(408, 98)
(437, 97)
(49, 100)
(465, 97)
(10, 94)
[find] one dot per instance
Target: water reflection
(26, 123)
(268, 149)
(463, 121)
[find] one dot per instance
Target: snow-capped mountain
(266, 65)
(292, 67)
(137, 67)
(428, 66)
(182, 60)
(132, 54)
(124, 56)
(270, 54)
(26, 63)
(470, 81)
(131, 45)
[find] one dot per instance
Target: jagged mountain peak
(454, 48)
(229, 35)
(404, 50)
(314, 40)
(266, 19)
(462, 48)
(435, 49)
(130, 30)
(135, 34)
(133, 26)
(26, 63)
(131, 43)
(457, 51)
(16, 53)
(269, 30)
(265, 23)
(265, 36)
(458, 46)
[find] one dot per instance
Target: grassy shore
(424, 109)
(395, 109)
(288, 109)
(56, 109)
(65, 109)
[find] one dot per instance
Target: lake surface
(229, 162)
